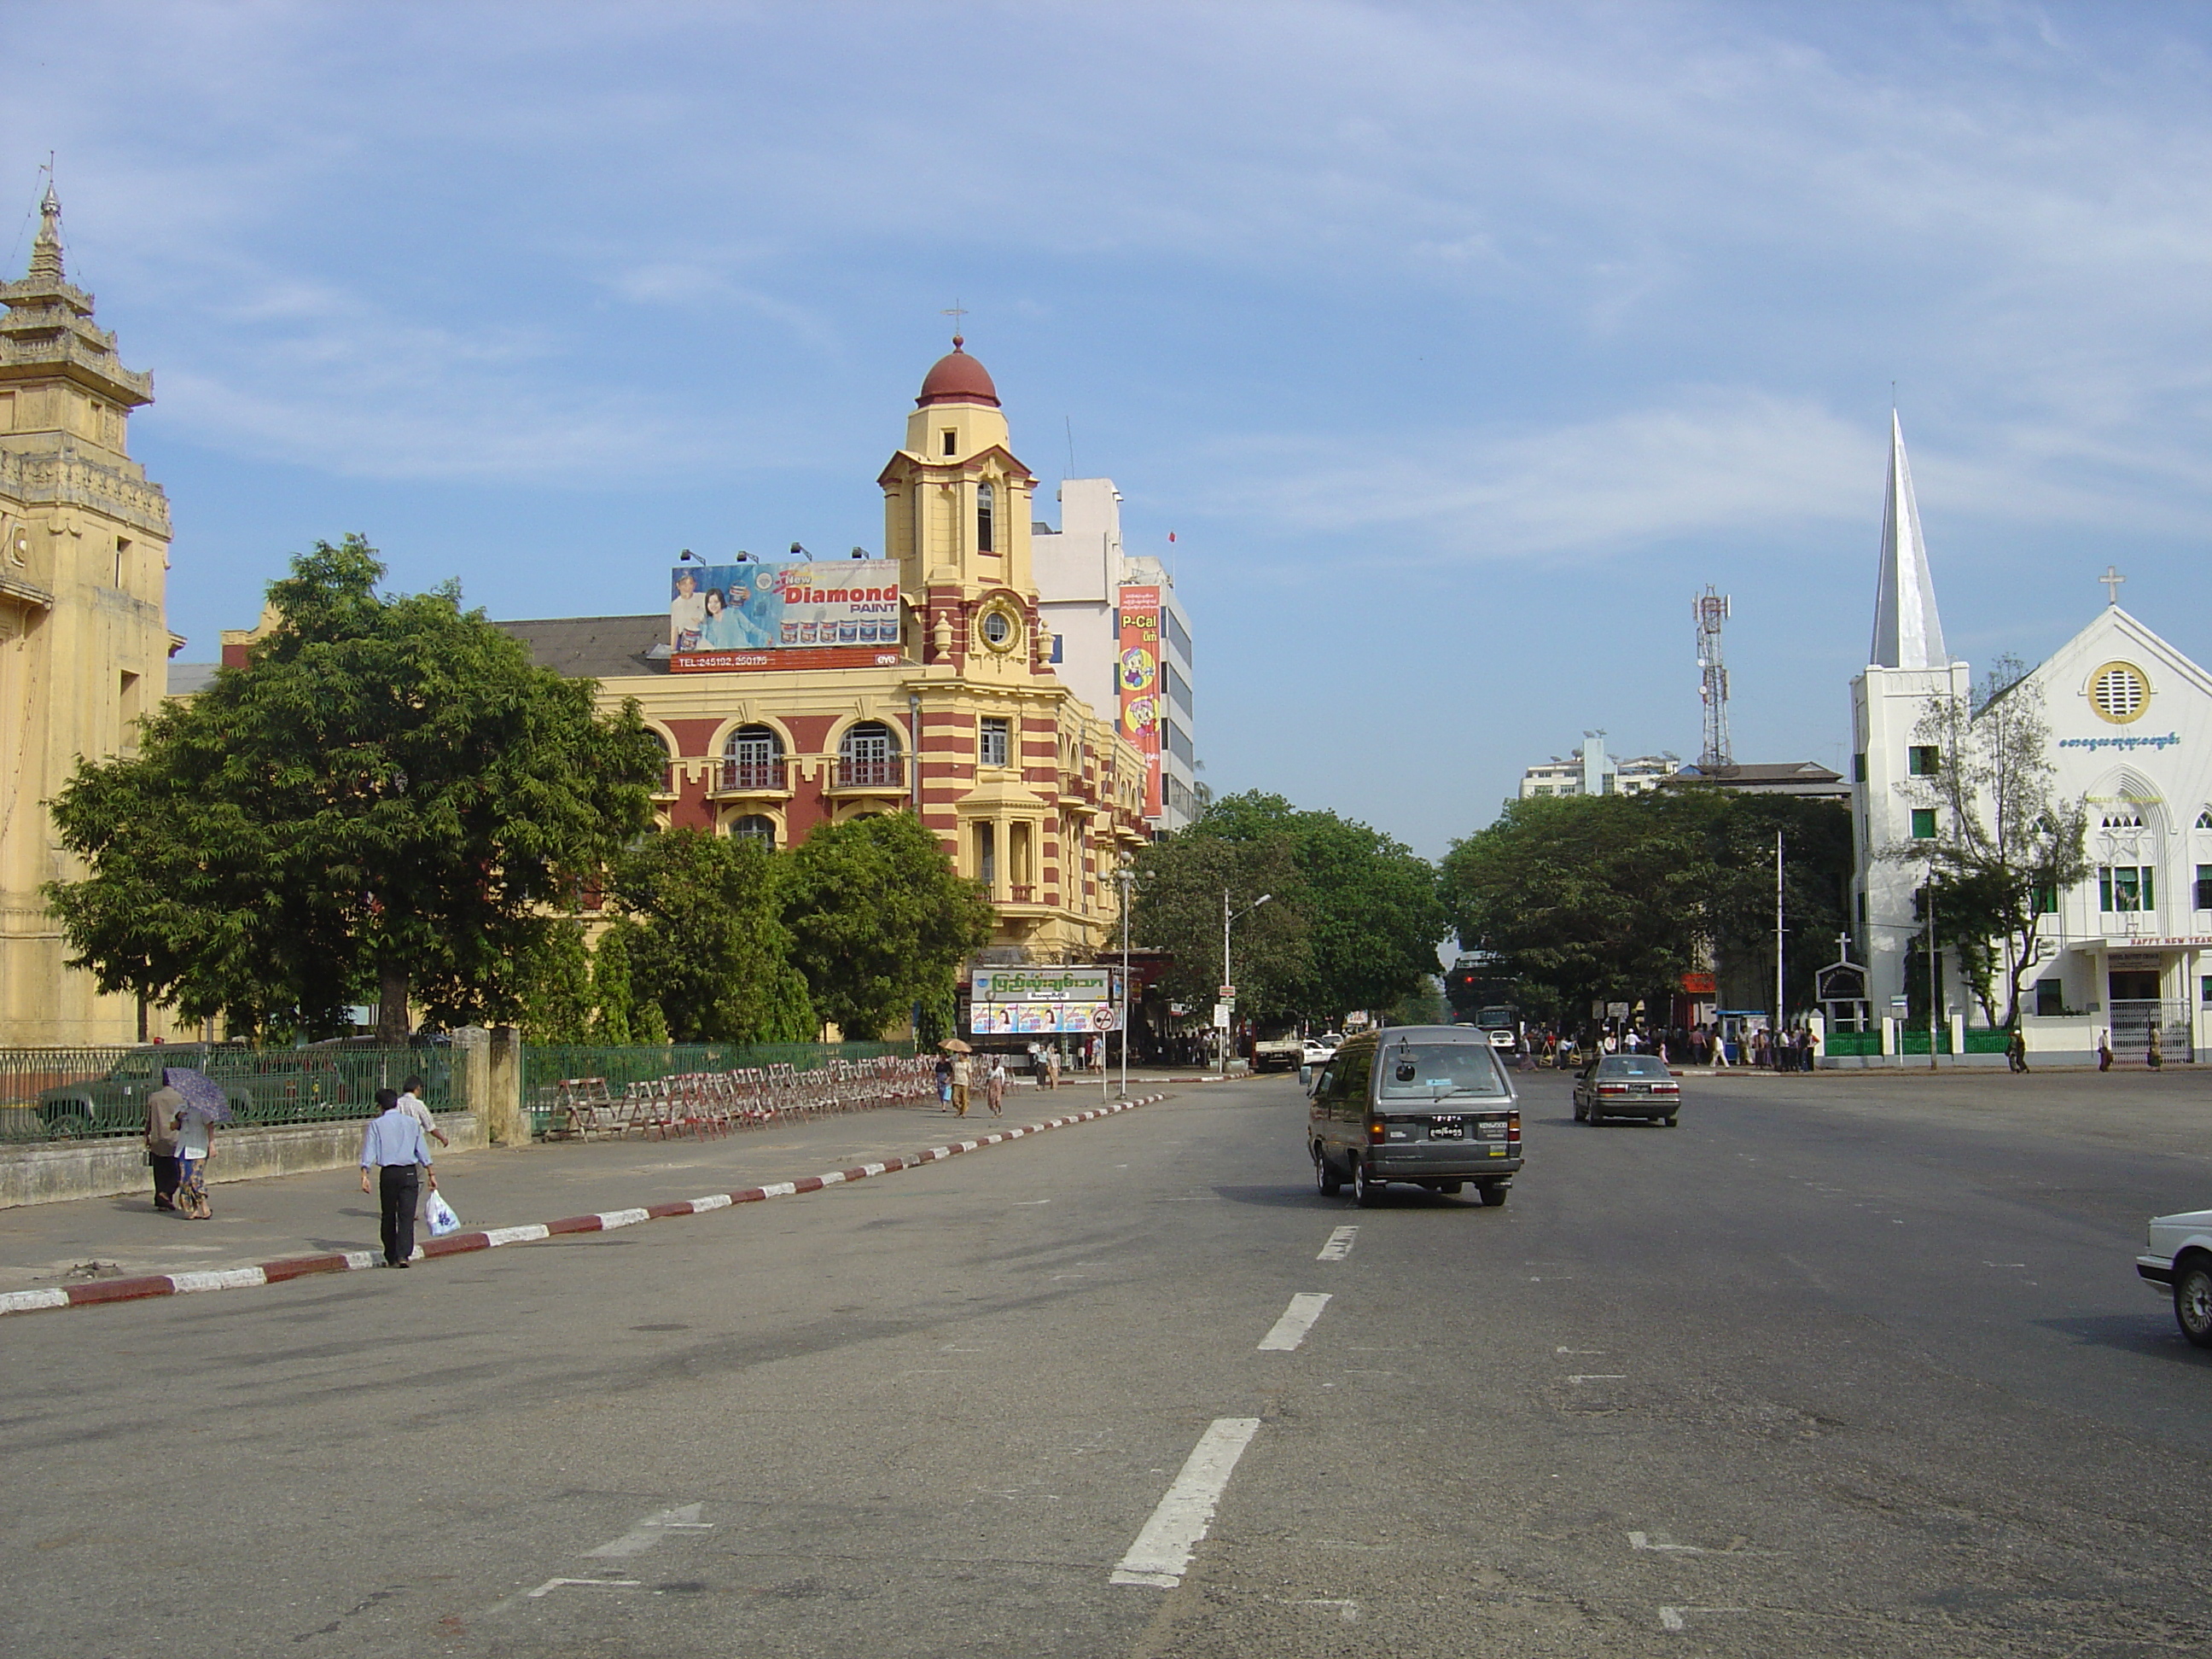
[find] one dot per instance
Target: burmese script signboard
(1037, 1001)
(839, 613)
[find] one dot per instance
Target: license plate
(1447, 1128)
(1639, 1088)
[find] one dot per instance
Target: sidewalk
(89, 1240)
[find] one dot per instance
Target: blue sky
(1459, 345)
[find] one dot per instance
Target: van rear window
(1429, 1071)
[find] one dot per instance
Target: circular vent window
(2118, 692)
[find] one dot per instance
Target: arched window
(668, 772)
(753, 759)
(868, 757)
(754, 828)
(987, 502)
(2204, 819)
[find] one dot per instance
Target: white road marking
(1579, 1351)
(1347, 1611)
(1670, 1619)
(1028, 1203)
(1298, 1319)
(1339, 1244)
(1601, 1376)
(650, 1530)
(552, 1584)
(1636, 1540)
(1161, 1552)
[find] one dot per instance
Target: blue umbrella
(202, 1093)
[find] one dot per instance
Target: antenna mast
(1712, 608)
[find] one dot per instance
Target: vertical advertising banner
(1139, 676)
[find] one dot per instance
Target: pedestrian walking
(393, 1146)
(161, 1109)
(962, 1070)
(195, 1129)
(2153, 1057)
(410, 1102)
(2016, 1049)
(2104, 1050)
(995, 1085)
(1051, 1067)
(945, 1082)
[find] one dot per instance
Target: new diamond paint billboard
(720, 615)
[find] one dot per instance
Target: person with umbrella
(204, 1106)
(962, 1071)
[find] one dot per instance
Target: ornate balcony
(752, 777)
(870, 777)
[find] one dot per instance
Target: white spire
(1907, 632)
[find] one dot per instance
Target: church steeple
(1907, 632)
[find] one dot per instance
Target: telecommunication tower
(1712, 608)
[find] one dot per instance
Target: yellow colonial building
(84, 650)
(943, 702)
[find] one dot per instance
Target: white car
(2179, 1255)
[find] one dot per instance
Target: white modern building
(1081, 570)
(1590, 771)
(2129, 949)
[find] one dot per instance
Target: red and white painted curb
(340, 1261)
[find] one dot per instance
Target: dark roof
(595, 647)
(188, 678)
(1771, 778)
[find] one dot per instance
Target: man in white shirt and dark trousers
(393, 1146)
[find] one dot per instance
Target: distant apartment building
(1119, 638)
(1590, 771)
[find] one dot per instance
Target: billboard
(1137, 673)
(723, 615)
(1040, 1001)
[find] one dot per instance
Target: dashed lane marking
(650, 1529)
(1636, 1540)
(1298, 1319)
(1161, 1552)
(1339, 1244)
(552, 1584)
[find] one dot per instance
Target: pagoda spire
(1907, 632)
(47, 251)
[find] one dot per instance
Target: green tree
(389, 794)
(880, 921)
(1372, 915)
(2005, 847)
(1590, 898)
(702, 924)
(1816, 872)
(1176, 907)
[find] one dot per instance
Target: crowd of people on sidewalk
(1796, 1049)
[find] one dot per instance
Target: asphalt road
(1833, 1368)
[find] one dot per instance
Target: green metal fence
(545, 1065)
(99, 1093)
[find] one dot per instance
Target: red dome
(956, 378)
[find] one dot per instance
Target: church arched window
(757, 829)
(2204, 819)
(987, 504)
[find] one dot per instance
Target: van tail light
(1512, 1126)
(1375, 1128)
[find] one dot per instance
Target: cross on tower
(2111, 579)
(955, 312)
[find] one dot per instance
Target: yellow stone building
(84, 648)
(960, 718)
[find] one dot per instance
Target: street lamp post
(1226, 919)
(1127, 878)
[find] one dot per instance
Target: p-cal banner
(783, 607)
(1138, 675)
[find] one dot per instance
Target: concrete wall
(100, 1169)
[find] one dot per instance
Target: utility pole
(1127, 878)
(1225, 981)
(1780, 1013)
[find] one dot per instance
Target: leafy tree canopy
(1354, 921)
(390, 794)
(879, 920)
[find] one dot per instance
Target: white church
(2130, 950)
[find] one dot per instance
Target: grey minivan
(1425, 1104)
